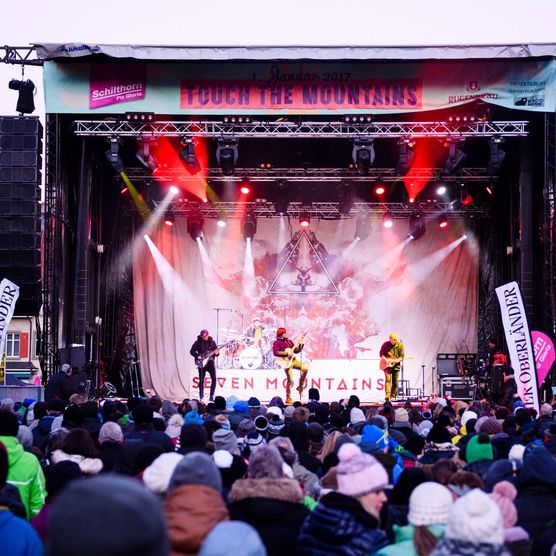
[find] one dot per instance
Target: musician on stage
(255, 333)
(201, 348)
(284, 350)
(497, 366)
(391, 357)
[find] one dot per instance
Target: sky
(279, 23)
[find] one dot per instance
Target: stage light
(380, 190)
(221, 223)
(26, 90)
(169, 220)
(387, 220)
(113, 155)
(195, 226)
(442, 221)
(123, 191)
(363, 154)
(227, 155)
(489, 188)
(188, 156)
(145, 157)
(245, 186)
(345, 199)
(304, 220)
(282, 200)
(456, 157)
(417, 227)
(362, 227)
(464, 236)
(406, 155)
(497, 156)
(441, 190)
(249, 226)
(139, 116)
(174, 190)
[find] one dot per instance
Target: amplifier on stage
(454, 388)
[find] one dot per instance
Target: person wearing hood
(194, 504)
(78, 446)
(376, 441)
(24, 470)
(270, 502)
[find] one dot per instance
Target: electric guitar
(287, 361)
(387, 362)
(204, 357)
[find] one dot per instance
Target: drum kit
(245, 352)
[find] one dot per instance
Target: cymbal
(229, 331)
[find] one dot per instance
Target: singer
(391, 357)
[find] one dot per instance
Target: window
(12, 344)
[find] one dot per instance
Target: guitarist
(199, 350)
(284, 349)
(392, 354)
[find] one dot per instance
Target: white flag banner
(518, 339)
(9, 293)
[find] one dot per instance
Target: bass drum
(251, 358)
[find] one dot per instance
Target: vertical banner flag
(544, 354)
(9, 293)
(519, 343)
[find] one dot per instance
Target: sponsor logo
(473, 86)
(536, 101)
(114, 84)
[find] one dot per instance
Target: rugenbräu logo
(116, 83)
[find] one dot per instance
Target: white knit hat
(356, 415)
(516, 453)
(157, 476)
(429, 504)
(468, 414)
(475, 518)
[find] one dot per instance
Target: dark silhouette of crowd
(152, 477)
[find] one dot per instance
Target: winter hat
(192, 418)
(490, 426)
(274, 410)
(253, 402)
(380, 421)
(316, 432)
(265, 463)
(25, 436)
(196, 468)
(261, 423)
(245, 427)
(504, 494)
(356, 415)
(468, 414)
(439, 435)
(288, 411)
(59, 475)
(276, 401)
(254, 440)
(423, 428)
(275, 425)
(479, 448)
(241, 407)
(225, 440)
(500, 470)
(516, 453)
(7, 404)
(401, 415)
(475, 518)
(157, 475)
(230, 402)
(223, 421)
(546, 410)
(219, 403)
(373, 439)
(233, 538)
(121, 524)
(429, 504)
(142, 414)
(359, 473)
(110, 432)
(231, 467)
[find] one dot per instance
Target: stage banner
(519, 343)
(9, 293)
(544, 354)
(289, 88)
(335, 379)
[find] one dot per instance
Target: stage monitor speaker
(74, 356)
(20, 229)
(454, 388)
(447, 364)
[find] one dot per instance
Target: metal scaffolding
(549, 229)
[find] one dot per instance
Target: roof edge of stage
(54, 51)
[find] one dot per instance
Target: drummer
(256, 334)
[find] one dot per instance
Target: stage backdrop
(347, 295)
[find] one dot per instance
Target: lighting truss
(256, 174)
(326, 210)
(299, 129)
(20, 55)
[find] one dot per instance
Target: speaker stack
(20, 218)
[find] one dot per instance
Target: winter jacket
(454, 547)
(340, 526)
(403, 544)
(89, 466)
(273, 507)
(191, 513)
(26, 474)
(151, 436)
(17, 537)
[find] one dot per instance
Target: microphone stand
(423, 381)
(218, 309)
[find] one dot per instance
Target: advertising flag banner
(9, 294)
(544, 354)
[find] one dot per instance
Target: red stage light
(168, 222)
(380, 190)
(123, 191)
(412, 200)
(442, 221)
(245, 190)
(304, 220)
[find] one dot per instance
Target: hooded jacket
(89, 466)
(26, 474)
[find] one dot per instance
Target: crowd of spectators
(237, 477)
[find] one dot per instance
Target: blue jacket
(340, 526)
(18, 537)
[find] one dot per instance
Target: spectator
(193, 438)
(233, 538)
(62, 385)
(479, 454)
(144, 430)
(110, 438)
(78, 446)
(157, 475)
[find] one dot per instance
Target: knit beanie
(223, 421)
(359, 473)
(196, 468)
(274, 410)
(504, 494)
(516, 453)
(546, 410)
(429, 504)
(253, 402)
(275, 425)
(261, 423)
(356, 415)
(225, 439)
(110, 432)
(245, 427)
(468, 414)
(233, 538)
(479, 448)
(219, 403)
(490, 426)
(288, 411)
(192, 417)
(241, 407)
(25, 436)
(230, 402)
(423, 428)
(373, 439)
(156, 476)
(475, 518)
(401, 415)
(254, 440)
